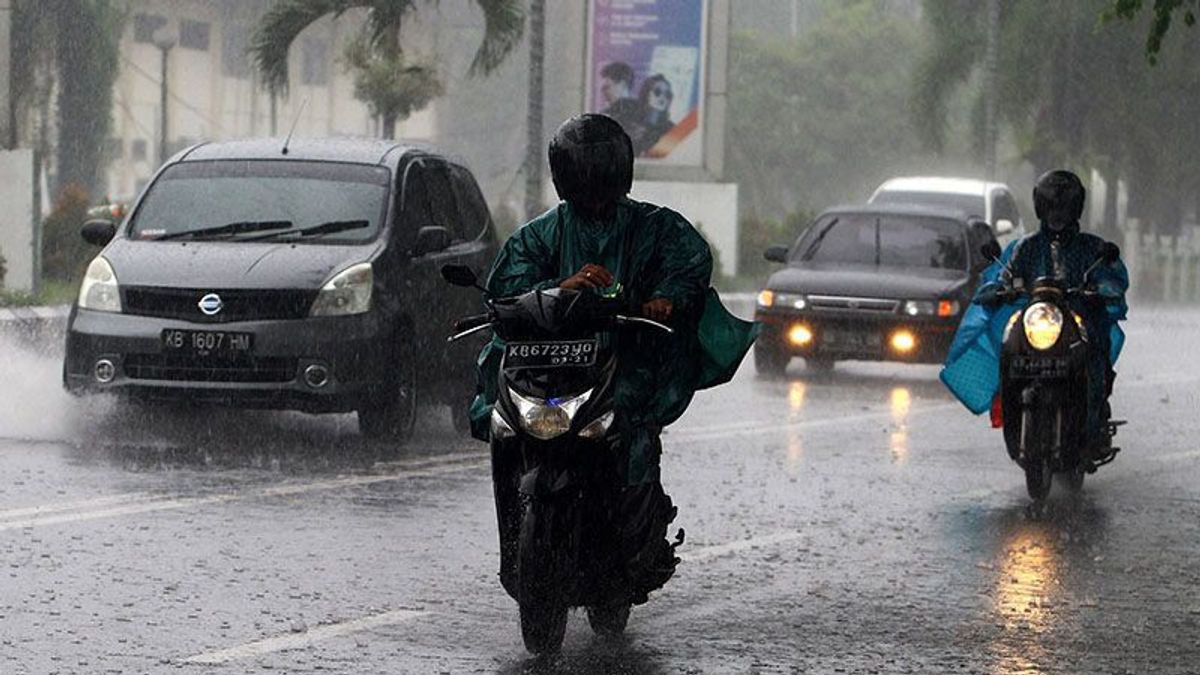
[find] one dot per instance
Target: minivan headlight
(348, 292)
(547, 419)
(99, 290)
(1043, 324)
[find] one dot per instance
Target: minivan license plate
(207, 342)
(572, 353)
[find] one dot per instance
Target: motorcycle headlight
(548, 419)
(1012, 321)
(348, 292)
(1043, 325)
(598, 427)
(500, 427)
(99, 290)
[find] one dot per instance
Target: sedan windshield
(237, 200)
(885, 239)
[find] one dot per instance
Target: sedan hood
(869, 281)
(225, 265)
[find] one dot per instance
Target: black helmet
(1058, 199)
(591, 161)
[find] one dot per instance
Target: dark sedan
(876, 282)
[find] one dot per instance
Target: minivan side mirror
(459, 275)
(98, 232)
(432, 239)
(776, 254)
(1004, 226)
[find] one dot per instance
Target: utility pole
(989, 65)
(164, 43)
(533, 120)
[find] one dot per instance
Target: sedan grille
(235, 304)
(848, 304)
(186, 368)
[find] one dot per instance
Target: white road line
(832, 421)
(276, 491)
(720, 550)
(305, 638)
(57, 507)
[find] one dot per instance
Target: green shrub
(756, 234)
(65, 254)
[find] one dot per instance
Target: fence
(1162, 268)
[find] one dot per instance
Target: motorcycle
(556, 457)
(1042, 405)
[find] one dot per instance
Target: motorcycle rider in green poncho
(654, 260)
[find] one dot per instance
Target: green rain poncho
(654, 253)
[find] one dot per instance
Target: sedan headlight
(1043, 325)
(348, 292)
(769, 298)
(99, 290)
(548, 419)
(942, 308)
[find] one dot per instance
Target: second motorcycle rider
(655, 260)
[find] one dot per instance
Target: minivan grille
(186, 368)
(236, 304)
(847, 304)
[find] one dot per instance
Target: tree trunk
(387, 126)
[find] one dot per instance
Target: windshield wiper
(812, 248)
(229, 229)
(313, 231)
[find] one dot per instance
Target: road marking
(305, 638)
(721, 550)
(741, 429)
(168, 504)
(75, 505)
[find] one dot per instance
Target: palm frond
(280, 26)
(504, 26)
(384, 22)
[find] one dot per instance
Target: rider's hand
(658, 309)
(589, 276)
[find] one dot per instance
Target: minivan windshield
(973, 205)
(884, 239)
(264, 200)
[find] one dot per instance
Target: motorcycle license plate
(207, 342)
(565, 354)
(1041, 367)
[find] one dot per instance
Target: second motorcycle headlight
(1043, 325)
(548, 419)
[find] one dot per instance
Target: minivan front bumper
(351, 350)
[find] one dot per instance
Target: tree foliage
(1075, 92)
(392, 85)
(821, 119)
(1161, 11)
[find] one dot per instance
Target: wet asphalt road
(854, 522)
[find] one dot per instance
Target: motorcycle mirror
(460, 275)
(1110, 252)
(991, 250)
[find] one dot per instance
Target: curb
(32, 314)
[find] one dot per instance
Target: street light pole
(164, 44)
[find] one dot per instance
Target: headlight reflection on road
(795, 449)
(1026, 586)
(901, 403)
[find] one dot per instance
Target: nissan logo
(210, 304)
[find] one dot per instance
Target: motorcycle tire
(540, 594)
(1038, 479)
(1073, 479)
(608, 621)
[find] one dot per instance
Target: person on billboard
(616, 87)
(654, 100)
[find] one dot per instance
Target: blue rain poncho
(972, 369)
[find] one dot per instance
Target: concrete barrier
(40, 329)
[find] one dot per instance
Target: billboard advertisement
(646, 70)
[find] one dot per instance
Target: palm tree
(392, 85)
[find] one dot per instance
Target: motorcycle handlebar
(469, 322)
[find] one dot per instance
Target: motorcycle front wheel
(540, 594)
(608, 621)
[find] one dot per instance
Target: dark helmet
(1058, 199)
(591, 161)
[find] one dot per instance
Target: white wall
(16, 218)
(712, 207)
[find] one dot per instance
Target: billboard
(646, 65)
